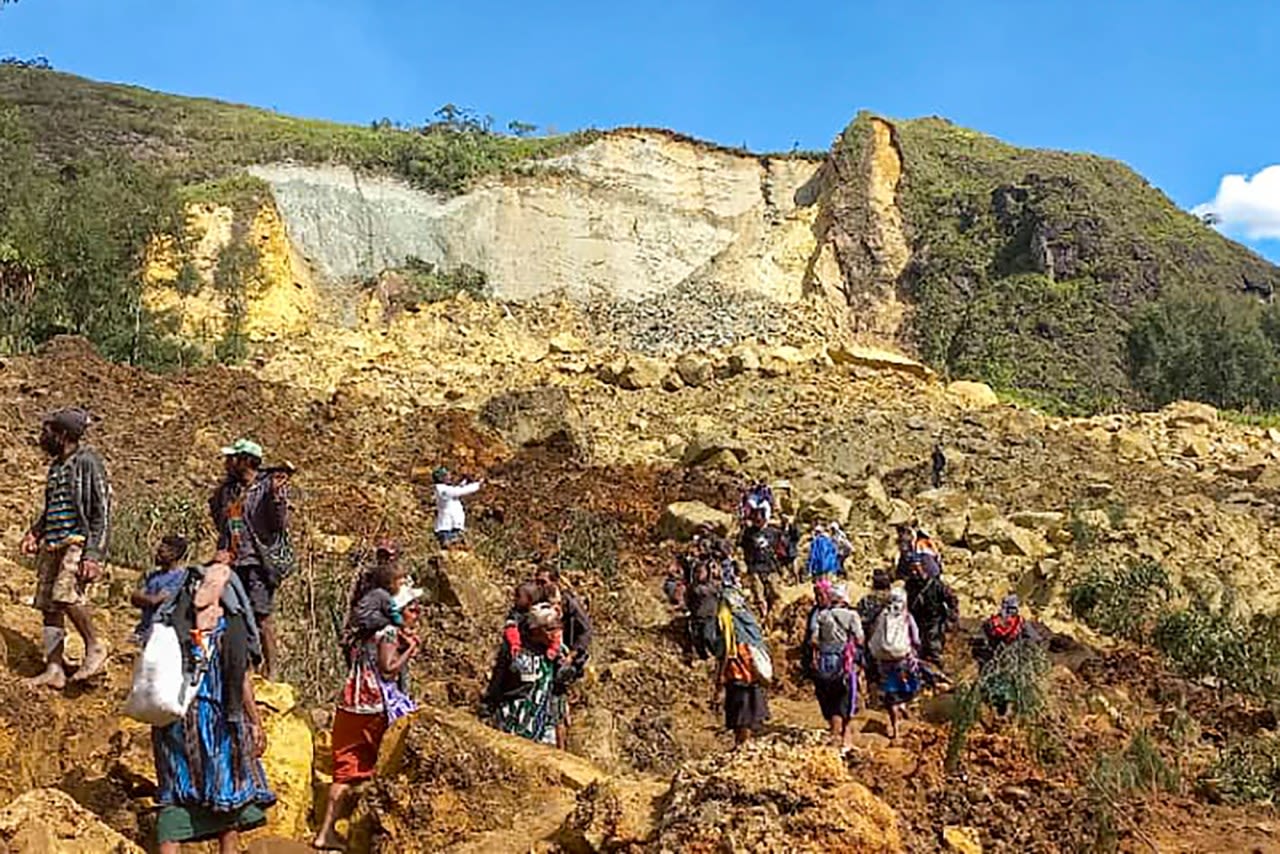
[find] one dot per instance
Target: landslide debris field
(1126, 751)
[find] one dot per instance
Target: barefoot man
(69, 543)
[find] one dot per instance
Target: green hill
(1067, 276)
(197, 139)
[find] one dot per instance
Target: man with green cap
(250, 511)
(69, 543)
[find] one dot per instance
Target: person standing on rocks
(69, 543)
(938, 464)
(759, 552)
(451, 516)
(250, 511)
(743, 650)
(895, 643)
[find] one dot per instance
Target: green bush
(138, 525)
(1203, 641)
(1207, 345)
(1124, 601)
(1016, 680)
(1247, 771)
(588, 542)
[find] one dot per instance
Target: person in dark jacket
(69, 543)
(575, 627)
(933, 606)
(519, 699)
(250, 511)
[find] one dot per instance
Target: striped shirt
(61, 521)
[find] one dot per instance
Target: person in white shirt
(451, 516)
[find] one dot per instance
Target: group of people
(209, 769)
(211, 783)
(893, 637)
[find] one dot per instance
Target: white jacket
(450, 515)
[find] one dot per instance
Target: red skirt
(356, 739)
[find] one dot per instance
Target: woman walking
(380, 642)
(895, 643)
(519, 699)
(211, 783)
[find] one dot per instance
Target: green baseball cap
(247, 447)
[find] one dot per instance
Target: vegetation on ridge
(1068, 276)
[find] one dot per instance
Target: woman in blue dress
(211, 783)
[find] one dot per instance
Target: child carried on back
(526, 596)
(372, 605)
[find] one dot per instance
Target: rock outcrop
(49, 821)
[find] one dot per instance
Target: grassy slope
(976, 208)
(201, 139)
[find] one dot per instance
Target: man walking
(69, 543)
(250, 511)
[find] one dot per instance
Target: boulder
(534, 417)
(988, 528)
(878, 359)
(782, 360)
(878, 497)
(1047, 521)
(695, 369)
(802, 798)
(744, 359)
(613, 814)
(828, 507)
(289, 759)
(566, 343)
(703, 447)
(458, 579)
(49, 821)
(681, 519)
(641, 372)
(1188, 413)
(1193, 444)
(973, 394)
(1132, 445)
(962, 839)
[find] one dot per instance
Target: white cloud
(1248, 206)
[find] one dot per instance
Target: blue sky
(1185, 92)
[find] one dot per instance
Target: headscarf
(1009, 606)
(897, 601)
(822, 591)
(840, 593)
(542, 616)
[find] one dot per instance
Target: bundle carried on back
(737, 625)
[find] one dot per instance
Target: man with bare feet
(69, 543)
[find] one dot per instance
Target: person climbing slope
(211, 783)
(69, 543)
(159, 585)
(824, 558)
(250, 512)
(833, 637)
(895, 643)
(373, 695)
(933, 605)
(745, 667)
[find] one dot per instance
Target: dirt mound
(774, 796)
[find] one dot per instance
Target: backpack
(822, 556)
(831, 654)
(161, 692)
(891, 640)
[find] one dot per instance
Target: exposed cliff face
(633, 214)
